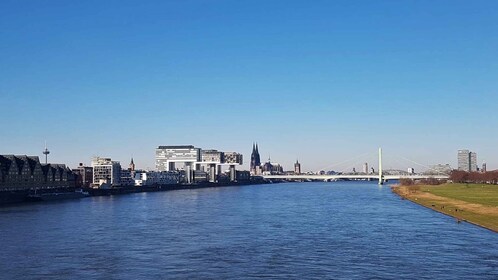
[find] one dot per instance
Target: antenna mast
(46, 152)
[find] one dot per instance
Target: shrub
(406, 182)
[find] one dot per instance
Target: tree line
(428, 181)
(490, 177)
(457, 176)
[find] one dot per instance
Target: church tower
(132, 165)
(297, 167)
(255, 160)
(258, 159)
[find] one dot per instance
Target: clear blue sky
(322, 81)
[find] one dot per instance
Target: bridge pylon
(381, 177)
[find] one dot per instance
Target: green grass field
(454, 200)
(473, 193)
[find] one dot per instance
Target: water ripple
(288, 231)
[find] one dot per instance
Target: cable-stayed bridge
(380, 176)
(318, 177)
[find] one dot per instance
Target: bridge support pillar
(381, 177)
(233, 174)
(188, 173)
(212, 173)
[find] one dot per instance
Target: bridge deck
(359, 177)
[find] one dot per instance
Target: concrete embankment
(22, 196)
(162, 188)
(442, 199)
(10, 197)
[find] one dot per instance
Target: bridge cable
(354, 165)
(345, 161)
(428, 167)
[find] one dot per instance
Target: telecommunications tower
(46, 152)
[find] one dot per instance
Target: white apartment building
(106, 172)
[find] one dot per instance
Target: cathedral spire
(255, 159)
(132, 165)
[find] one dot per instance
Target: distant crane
(46, 152)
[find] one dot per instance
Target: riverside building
(233, 159)
(21, 172)
(194, 161)
(84, 176)
(211, 162)
(171, 158)
(125, 177)
(106, 172)
(148, 178)
(212, 156)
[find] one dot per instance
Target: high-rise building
(473, 162)
(484, 168)
(365, 168)
(467, 161)
(464, 160)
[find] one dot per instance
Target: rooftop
(177, 147)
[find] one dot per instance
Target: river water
(337, 230)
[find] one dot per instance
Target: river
(335, 230)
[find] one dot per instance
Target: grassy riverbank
(474, 203)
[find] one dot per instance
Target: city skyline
(352, 164)
(322, 83)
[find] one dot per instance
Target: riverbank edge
(13, 198)
(396, 189)
(165, 188)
